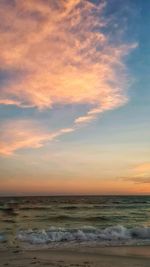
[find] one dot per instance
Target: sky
(74, 97)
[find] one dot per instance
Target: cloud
(143, 167)
(141, 180)
(84, 119)
(62, 52)
(138, 179)
(140, 173)
(25, 134)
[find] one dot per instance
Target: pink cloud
(25, 134)
(64, 56)
(84, 119)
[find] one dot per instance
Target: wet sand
(77, 257)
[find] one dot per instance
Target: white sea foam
(117, 234)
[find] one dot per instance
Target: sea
(65, 220)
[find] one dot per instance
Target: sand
(77, 257)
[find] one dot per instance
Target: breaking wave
(110, 235)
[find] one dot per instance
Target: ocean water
(106, 220)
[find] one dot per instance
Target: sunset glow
(74, 97)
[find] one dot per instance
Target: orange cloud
(9, 102)
(143, 167)
(63, 53)
(140, 174)
(24, 134)
(64, 56)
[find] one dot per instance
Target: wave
(9, 211)
(70, 207)
(35, 208)
(110, 235)
(65, 217)
(97, 218)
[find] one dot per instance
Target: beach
(75, 231)
(81, 257)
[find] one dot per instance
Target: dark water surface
(104, 219)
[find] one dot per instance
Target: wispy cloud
(143, 167)
(25, 134)
(64, 53)
(140, 173)
(141, 180)
(137, 180)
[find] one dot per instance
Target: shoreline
(124, 256)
